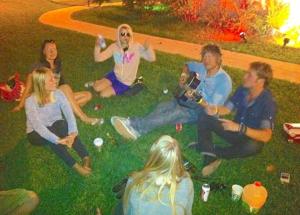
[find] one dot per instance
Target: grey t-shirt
(41, 117)
(150, 205)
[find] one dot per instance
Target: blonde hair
(163, 168)
(263, 71)
(38, 79)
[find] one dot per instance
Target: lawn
(165, 25)
(64, 192)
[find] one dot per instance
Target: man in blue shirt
(215, 87)
(251, 127)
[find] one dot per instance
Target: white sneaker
(89, 84)
(122, 126)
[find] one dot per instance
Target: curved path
(61, 18)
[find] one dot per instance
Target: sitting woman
(49, 58)
(162, 186)
(126, 54)
(45, 122)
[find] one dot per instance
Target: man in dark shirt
(252, 126)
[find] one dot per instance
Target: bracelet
(242, 128)
(200, 101)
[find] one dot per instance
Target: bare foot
(81, 170)
(91, 121)
(87, 163)
(16, 109)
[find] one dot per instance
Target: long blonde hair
(39, 90)
(163, 168)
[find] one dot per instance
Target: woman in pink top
(126, 54)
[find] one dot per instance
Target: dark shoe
(207, 159)
(194, 146)
(120, 185)
(119, 189)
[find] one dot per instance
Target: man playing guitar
(213, 86)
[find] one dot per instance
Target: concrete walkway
(61, 18)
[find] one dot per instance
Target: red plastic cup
(179, 127)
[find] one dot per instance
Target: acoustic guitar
(188, 91)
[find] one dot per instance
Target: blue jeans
(240, 145)
(165, 113)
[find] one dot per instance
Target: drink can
(101, 121)
(179, 127)
(102, 43)
(97, 107)
(205, 192)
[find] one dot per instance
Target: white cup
(237, 191)
(98, 142)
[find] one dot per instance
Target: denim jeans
(165, 113)
(240, 145)
(60, 128)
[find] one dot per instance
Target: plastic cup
(237, 191)
(98, 142)
(205, 192)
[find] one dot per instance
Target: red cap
(257, 183)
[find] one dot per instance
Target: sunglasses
(124, 34)
(49, 41)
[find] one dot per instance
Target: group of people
(50, 103)
(163, 186)
(252, 103)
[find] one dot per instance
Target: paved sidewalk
(61, 18)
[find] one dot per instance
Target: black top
(57, 69)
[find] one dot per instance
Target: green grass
(165, 25)
(64, 192)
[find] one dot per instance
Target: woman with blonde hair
(162, 186)
(127, 55)
(45, 123)
(49, 58)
